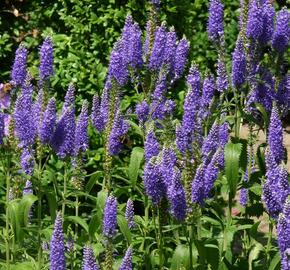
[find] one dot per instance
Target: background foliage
(83, 33)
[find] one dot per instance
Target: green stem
(109, 126)
(160, 241)
(39, 220)
(64, 190)
(190, 242)
(7, 240)
(145, 232)
(269, 242)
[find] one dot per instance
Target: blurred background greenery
(84, 31)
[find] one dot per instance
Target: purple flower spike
(118, 64)
(275, 137)
(192, 100)
(180, 57)
(46, 59)
(160, 89)
(211, 143)
(194, 82)
(255, 21)
(27, 161)
(157, 55)
(270, 160)
(153, 182)
(283, 235)
(81, 133)
(25, 126)
(285, 263)
(275, 190)
(120, 128)
(222, 76)
(129, 214)
(19, 69)
(268, 14)
(142, 111)
(105, 105)
(110, 217)
(135, 48)
(57, 247)
(28, 188)
(239, 64)
(169, 160)
(282, 32)
(224, 134)
(197, 186)
(151, 146)
(97, 117)
(127, 260)
(243, 197)
(48, 122)
(176, 196)
(210, 174)
(89, 261)
(215, 26)
(63, 137)
(208, 90)
(170, 50)
(69, 100)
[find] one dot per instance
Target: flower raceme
(25, 126)
(81, 134)
(19, 69)
(215, 27)
(127, 260)
(275, 137)
(281, 34)
(110, 217)
(46, 60)
(129, 214)
(48, 122)
(89, 261)
(57, 247)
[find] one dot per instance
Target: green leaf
(15, 214)
(275, 263)
(254, 253)
(26, 202)
(23, 266)
(264, 114)
(92, 181)
(261, 157)
(232, 158)
(52, 203)
(180, 258)
(123, 225)
(135, 162)
(79, 221)
(212, 254)
(254, 229)
(256, 189)
(94, 225)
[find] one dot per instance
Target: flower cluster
(57, 247)
(89, 261)
(283, 233)
(110, 217)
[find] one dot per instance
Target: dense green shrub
(84, 31)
